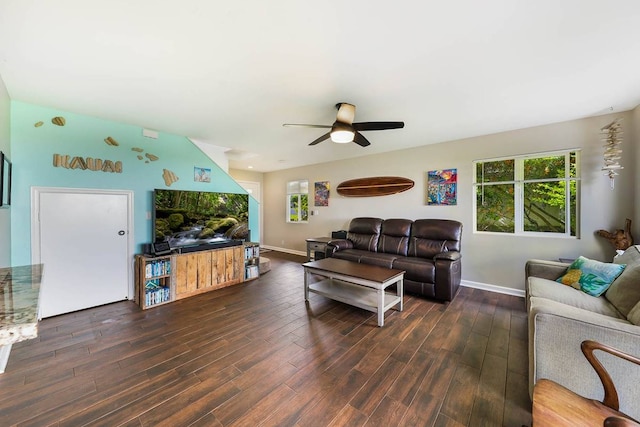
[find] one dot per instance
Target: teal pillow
(595, 277)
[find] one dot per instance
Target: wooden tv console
(164, 279)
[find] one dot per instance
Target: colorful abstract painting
(442, 187)
(321, 193)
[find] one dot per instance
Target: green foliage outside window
(495, 209)
(298, 207)
(528, 194)
(298, 201)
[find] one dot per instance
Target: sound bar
(207, 246)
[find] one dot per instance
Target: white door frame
(35, 223)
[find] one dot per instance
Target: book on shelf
(157, 295)
(251, 272)
(252, 251)
(158, 268)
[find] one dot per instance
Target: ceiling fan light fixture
(342, 133)
(344, 130)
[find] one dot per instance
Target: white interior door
(83, 245)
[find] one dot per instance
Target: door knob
(121, 233)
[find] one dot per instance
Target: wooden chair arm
(610, 393)
(620, 422)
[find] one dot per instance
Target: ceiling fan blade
(346, 112)
(296, 125)
(361, 140)
(322, 138)
(378, 125)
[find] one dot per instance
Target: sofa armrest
(545, 269)
(556, 332)
(449, 256)
(337, 245)
(448, 274)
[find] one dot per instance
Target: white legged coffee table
(356, 284)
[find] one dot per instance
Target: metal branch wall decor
(612, 153)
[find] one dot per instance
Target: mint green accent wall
(33, 148)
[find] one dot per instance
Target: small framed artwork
(201, 174)
(321, 193)
(442, 187)
(5, 180)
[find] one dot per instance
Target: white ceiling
(230, 73)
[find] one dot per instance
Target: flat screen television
(193, 218)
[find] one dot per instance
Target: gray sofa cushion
(634, 315)
(624, 292)
(546, 269)
(544, 288)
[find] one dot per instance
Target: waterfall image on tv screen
(187, 218)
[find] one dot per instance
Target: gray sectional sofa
(428, 250)
(561, 317)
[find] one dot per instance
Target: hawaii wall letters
(86, 163)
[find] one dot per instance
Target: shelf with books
(156, 291)
(251, 260)
(153, 281)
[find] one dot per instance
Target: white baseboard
(466, 283)
(493, 288)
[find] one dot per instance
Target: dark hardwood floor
(256, 354)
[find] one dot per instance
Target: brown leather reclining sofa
(428, 250)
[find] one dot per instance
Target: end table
(315, 245)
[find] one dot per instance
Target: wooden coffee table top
(373, 273)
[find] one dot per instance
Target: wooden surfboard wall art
(374, 186)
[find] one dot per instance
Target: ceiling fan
(343, 130)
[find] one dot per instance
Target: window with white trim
(531, 194)
(298, 201)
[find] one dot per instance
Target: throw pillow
(624, 292)
(595, 276)
(572, 278)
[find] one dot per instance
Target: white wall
(634, 144)
(247, 175)
(242, 176)
(487, 259)
(214, 152)
(5, 213)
